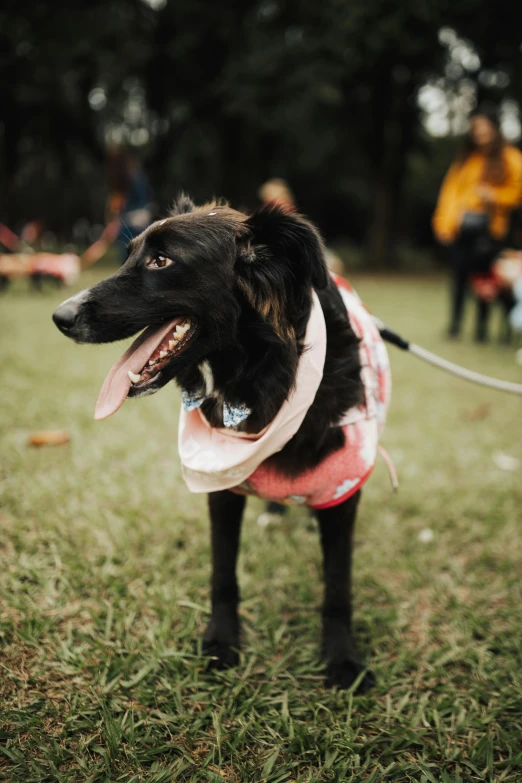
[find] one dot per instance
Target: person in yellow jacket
(481, 189)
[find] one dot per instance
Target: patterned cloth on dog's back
(343, 472)
(215, 459)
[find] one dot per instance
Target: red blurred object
(8, 237)
(65, 267)
(506, 270)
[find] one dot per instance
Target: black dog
(239, 288)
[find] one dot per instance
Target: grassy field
(104, 564)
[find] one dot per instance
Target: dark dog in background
(240, 289)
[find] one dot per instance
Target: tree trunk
(380, 242)
(398, 132)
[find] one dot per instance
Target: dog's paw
(343, 674)
(221, 656)
(221, 638)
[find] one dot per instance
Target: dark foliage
(217, 97)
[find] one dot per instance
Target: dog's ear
(280, 255)
(182, 205)
(292, 242)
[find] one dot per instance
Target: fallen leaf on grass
(49, 438)
(481, 412)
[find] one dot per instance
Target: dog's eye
(158, 262)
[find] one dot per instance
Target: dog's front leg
(343, 662)
(221, 639)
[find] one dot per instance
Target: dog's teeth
(163, 354)
(172, 343)
(151, 362)
(134, 378)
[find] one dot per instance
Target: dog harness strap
(391, 467)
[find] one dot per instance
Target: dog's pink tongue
(117, 383)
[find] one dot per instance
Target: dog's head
(187, 282)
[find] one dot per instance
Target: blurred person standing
(130, 197)
(481, 189)
(32, 232)
(277, 192)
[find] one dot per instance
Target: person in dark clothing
(130, 197)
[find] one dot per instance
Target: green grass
(104, 565)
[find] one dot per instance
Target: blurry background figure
(504, 284)
(38, 264)
(480, 190)
(130, 197)
(499, 285)
(32, 232)
(276, 191)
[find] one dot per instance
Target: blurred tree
(220, 97)
(52, 55)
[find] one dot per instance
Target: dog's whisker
(127, 229)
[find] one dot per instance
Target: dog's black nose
(65, 316)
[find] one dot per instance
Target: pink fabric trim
(338, 501)
(391, 467)
(214, 459)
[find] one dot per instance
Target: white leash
(455, 369)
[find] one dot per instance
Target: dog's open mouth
(139, 369)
